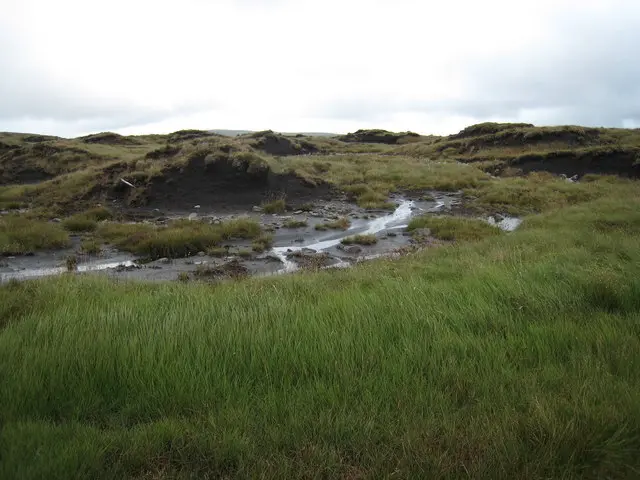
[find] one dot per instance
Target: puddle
(508, 224)
(44, 272)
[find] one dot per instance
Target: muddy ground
(293, 248)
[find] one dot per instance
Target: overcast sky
(71, 67)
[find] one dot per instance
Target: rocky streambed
(294, 248)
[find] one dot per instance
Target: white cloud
(70, 67)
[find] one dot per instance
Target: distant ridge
(235, 133)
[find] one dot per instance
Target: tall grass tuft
(20, 235)
(179, 239)
(454, 228)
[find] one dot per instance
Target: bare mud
(294, 248)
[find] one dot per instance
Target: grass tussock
(79, 223)
(262, 243)
(19, 235)
(342, 223)
(90, 246)
(369, 239)
(455, 228)
(540, 192)
(293, 223)
(217, 252)
(370, 178)
(274, 206)
(178, 239)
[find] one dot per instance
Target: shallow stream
(389, 229)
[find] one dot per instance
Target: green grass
(178, 239)
(540, 192)
(499, 356)
(183, 277)
(239, 228)
(369, 239)
(19, 235)
(340, 224)
(262, 243)
(90, 246)
(274, 206)
(454, 228)
(217, 251)
(80, 223)
(293, 223)
(513, 357)
(371, 177)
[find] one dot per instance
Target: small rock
(164, 260)
(269, 258)
(298, 212)
(316, 214)
(299, 240)
(196, 207)
(56, 220)
(257, 209)
(350, 249)
(193, 216)
(127, 268)
(392, 234)
(307, 251)
(155, 267)
(289, 250)
(201, 254)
